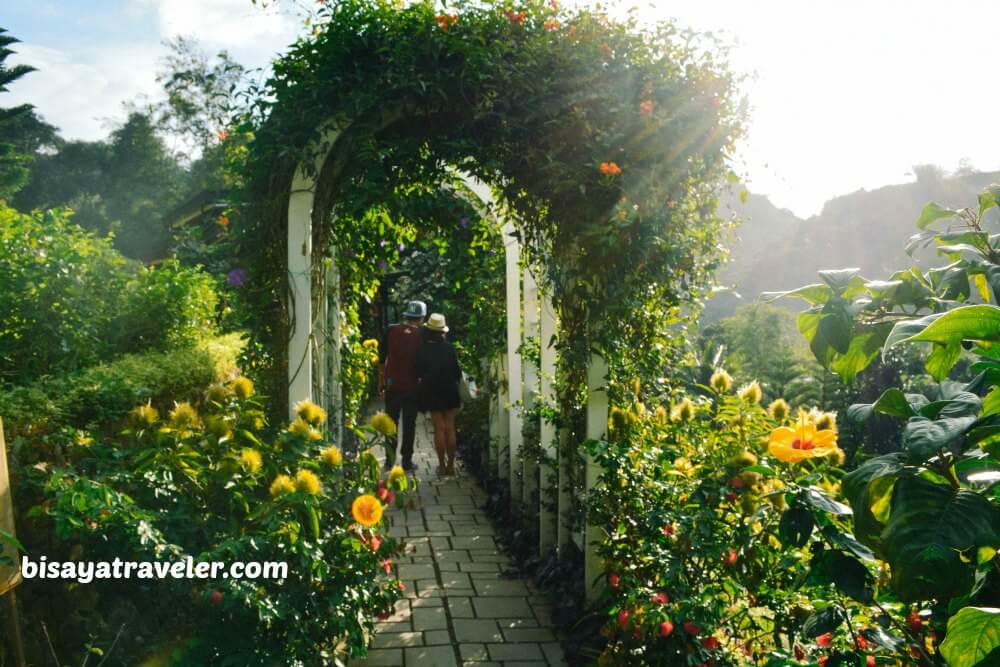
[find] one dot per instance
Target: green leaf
(861, 352)
(839, 279)
(846, 573)
(973, 634)
(796, 526)
(924, 438)
(815, 294)
(825, 503)
(932, 212)
(988, 199)
(867, 488)
(979, 322)
(847, 542)
(929, 526)
(822, 621)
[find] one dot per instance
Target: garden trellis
(599, 147)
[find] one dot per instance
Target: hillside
(774, 250)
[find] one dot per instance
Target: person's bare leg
(451, 441)
(440, 438)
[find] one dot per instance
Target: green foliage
(208, 480)
(13, 162)
(101, 396)
(72, 301)
(721, 549)
(571, 169)
(931, 510)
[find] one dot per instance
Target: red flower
(401, 586)
(666, 628)
(731, 497)
(710, 643)
(737, 483)
(800, 653)
(216, 598)
(516, 18)
(870, 661)
(862, 643)
(730, 557)
(914, 621)
(554, 4)
(614, 580)
(223, 134)
(646, 107)
(623, 617)
(668, 529)
(824, 639)
(387, 565)
(223, 221)
(375, 543)
(822, 660)
(390, 499)
(692, 628)
(551, 24)
(660, 598)
(383, 493)
(444, 21)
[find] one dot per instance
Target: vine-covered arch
(603, 142)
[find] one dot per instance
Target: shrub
(207, 479)
(69, 300)
(100, 397)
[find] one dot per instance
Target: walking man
(398, 381)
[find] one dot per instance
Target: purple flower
(463, 223)
(402, 247)
(383, 265)
(236, 278)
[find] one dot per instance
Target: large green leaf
(973, 635)
(867, 489)
(862, 351)
(846, 573)
(929, 527)
(980, 322)
(924, 438)
(932, 213)
(815, 294)
(839, 279)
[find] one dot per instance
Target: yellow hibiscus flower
(367, 510)
(801, 442)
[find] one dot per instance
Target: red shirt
(402, 343)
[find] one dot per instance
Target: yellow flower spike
(217, 393)
(307, 482)
(779, 409)
(660, 415)
(300, 427)
(332, 456)
(218, 426)
(751, 393)
(281, 485)
(683, 411)
(825, 421)
(243, 388)
(370, 344)
(721, 381)
(310, 413)
(250, 460)
(145, 415)
(184, 416)
(383, 423)
(397, 478)
(366, 510)
(801, 442)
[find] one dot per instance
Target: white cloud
(79, 91)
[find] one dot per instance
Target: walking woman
(438, 378)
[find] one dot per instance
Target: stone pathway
(458, 608)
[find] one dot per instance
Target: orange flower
(551, 24)
(445, 20)
(554, 4)
(646, 107)
(223, 221)
(801, 442)
(367, 510)
(223, 134)
(516, 17)
(606, 50)
(610, 168)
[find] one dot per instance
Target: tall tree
(13, 164)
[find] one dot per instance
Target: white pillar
(597, 426)
(334, 395)
(512, 251)
(503, 420)
(531, 331)
(300, 363)
(548, 528)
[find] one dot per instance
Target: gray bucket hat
(415, 309)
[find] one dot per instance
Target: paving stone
(386, 657)
(473, 542)
(501, 607)
(426, 602)
(470, 652)
(554, 653)
(476, 630)
(397, 639)
(451, 556)
(431, 656)
(493, 568)
(430, 618)
(437, 637)
(505, 652)
(518, 622)
(416, 571)
(452, 580)
(525, 635)
(505, 587)
(448, 567)
(460, 607)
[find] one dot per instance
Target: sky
(844, 95)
